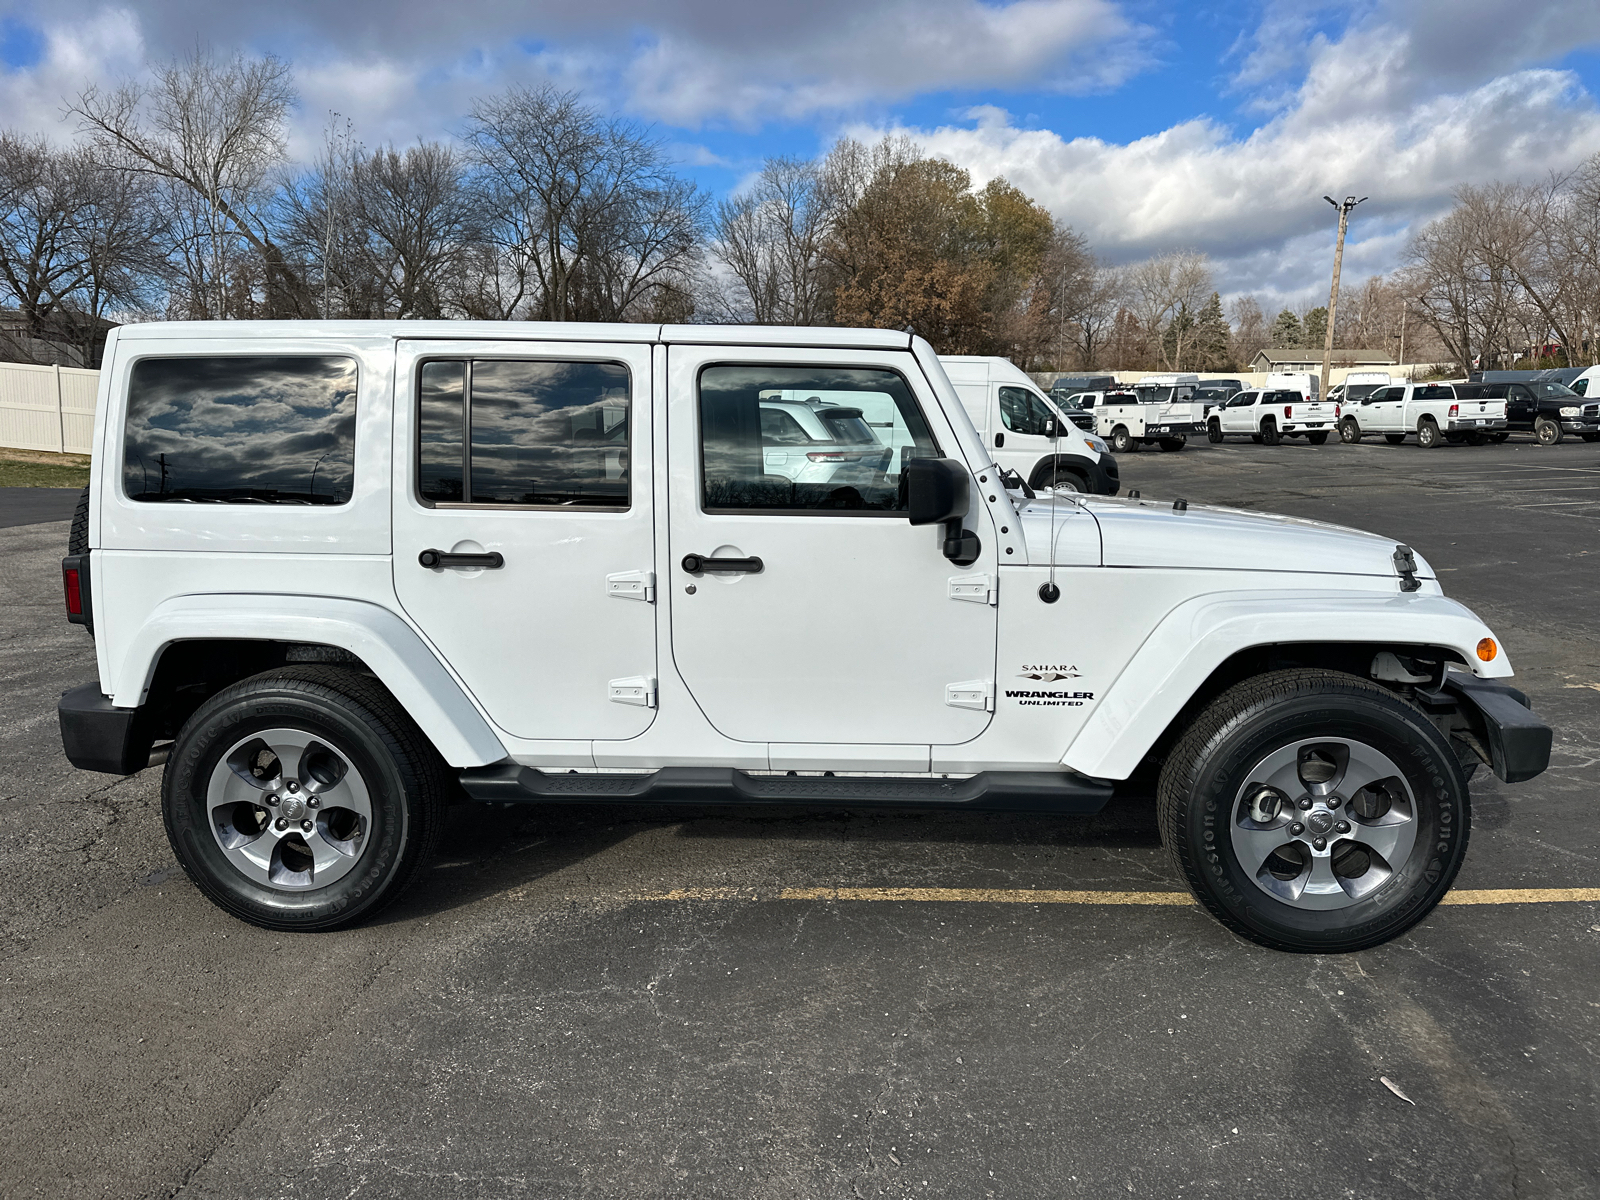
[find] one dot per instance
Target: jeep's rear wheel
(1315, 811)
(303, 798)
(1349, 431)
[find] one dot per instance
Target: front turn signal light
(1487, 650)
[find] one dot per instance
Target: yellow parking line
(1053, 896)
(1524, 896)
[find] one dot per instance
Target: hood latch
(1405, 566)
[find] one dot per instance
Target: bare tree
(75, 243)
(588, 218)
(771, 240)
(1161, 288)
(1250, 335)
(215, 128)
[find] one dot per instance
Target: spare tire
(78, 535)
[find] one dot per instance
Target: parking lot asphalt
(621, 1002)
(31, 505)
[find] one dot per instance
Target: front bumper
(1581, 425)
(1475, 424)
(98, 736)
(1515, 743)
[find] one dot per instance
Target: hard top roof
(545, 331)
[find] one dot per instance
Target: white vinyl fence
(47, 408)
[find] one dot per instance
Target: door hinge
(976, 694)
(638, 690)
(979, 589)
(632, 585)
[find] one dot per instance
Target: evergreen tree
(1211, 335)
(1315, 330)
(1286, 331)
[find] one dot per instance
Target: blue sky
(1147, 126)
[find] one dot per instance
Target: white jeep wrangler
(339, 573)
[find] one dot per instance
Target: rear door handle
(697, 563)
(439, 558)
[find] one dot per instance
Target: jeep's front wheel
(1315, 811)
(303, 799)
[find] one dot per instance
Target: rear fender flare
(1197, 636)
(394, 652)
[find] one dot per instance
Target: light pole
(1344, 208)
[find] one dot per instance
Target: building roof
(1300, 354)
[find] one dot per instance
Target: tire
(1374, 879)
(1121, 442)
(1269, 432)
(1214, 432)
(1349, 432)
(1456, 439)
(1394, 439)
(1058, 478)
(1497, 438)
(1547, 431)
(1256, 438)
(219, 788)
(1427, 434)
(78, 534)
(1477, 439)
(1174, 443)
(1317, 439)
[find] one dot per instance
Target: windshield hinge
(638, 690)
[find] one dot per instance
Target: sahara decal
(1048, 673)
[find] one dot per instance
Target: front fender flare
(1197, 636)
(394, 652)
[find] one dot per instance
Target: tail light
(1338, 411)
(1455, 410)
(75, 590)
(1288, 410)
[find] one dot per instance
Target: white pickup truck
(1269, 416)
(1433, 411)
(340, 573)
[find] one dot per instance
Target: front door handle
(441, 558)
(697, 563)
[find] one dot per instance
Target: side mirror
(1050, 427)
(937, 493)
(937, 490)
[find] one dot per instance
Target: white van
(1309, 386)
(1587, 382)
(1026, 432)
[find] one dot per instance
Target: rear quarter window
(260, 429)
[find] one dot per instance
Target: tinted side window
(1436, 392)
(276, 429)
(515, 432)
(750, 461)
(1022, 411)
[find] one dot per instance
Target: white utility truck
(1357, 385)
(339, 573)
(1128, 419)
(1433, 411)
(1027, 431)
(1182, 408)
(1268, 416)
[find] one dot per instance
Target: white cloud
(75, 54)
(1368, 118)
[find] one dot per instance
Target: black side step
(1016, 791)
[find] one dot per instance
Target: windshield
(1550, 391)
(1153, 394)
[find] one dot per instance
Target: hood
(1151, 533)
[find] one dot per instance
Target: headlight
(1570, 410)
(1100, 447)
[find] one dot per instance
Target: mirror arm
(961, 546)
